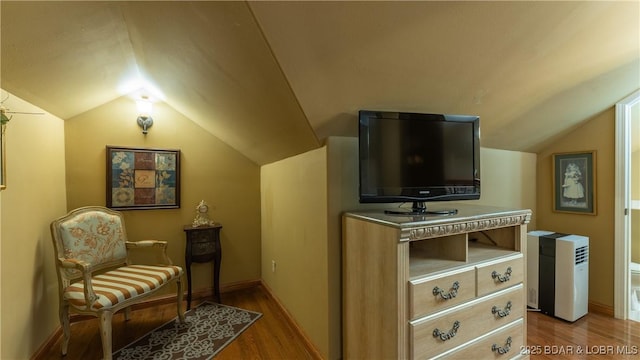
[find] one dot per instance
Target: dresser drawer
(504, 343)
(202, 242)
(500, 274)
(433, 293)
(437, 333)
(200, 247)
(205, 235)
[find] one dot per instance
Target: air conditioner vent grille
(582, 255)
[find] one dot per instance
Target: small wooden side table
(203, 245)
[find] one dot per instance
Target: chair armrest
(83, 266)
(159, 244)
(87, 271)
(146, 243)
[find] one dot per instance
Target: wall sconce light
(145, 121)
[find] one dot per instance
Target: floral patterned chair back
(95, 236)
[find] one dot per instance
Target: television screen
(418, 157)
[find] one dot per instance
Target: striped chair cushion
(121, 284)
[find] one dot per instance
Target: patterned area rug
(208, 329)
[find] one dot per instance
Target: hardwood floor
(595, 336)
(270, 337)
(592, 337)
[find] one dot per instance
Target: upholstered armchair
(95, 275)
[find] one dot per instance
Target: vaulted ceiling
(273, 79)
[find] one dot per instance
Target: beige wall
(508, 180)
(210, 171)
(597, 134)
(1, 262)
(294, 235)
(303, 198)
(35, 194)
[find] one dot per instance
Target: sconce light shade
(145, 121)
(144, 106)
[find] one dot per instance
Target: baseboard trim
(311, 349)
(46, 347)
(600, 308)
(207, 294)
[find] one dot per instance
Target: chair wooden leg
(63, 312)
(127, 313)
(105, 333)
(180, 296)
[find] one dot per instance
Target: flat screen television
(412, 157)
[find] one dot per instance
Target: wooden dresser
(418, 287)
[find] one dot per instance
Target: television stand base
(419, 208)
(422, 213)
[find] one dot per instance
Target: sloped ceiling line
(284, 76)
(273, 79)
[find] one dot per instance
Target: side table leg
(216, 271)
(188, 263)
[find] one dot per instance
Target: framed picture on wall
(574, 182)
(142, 178)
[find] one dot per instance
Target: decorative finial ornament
(3, 116)
(202, 215)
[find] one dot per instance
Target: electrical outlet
(273, 266)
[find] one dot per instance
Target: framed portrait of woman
(574, 182)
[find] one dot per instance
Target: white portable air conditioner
(558, 274)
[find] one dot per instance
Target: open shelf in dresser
(398, 272)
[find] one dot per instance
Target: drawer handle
(444, 336)
(502, 313)
(502, 278)
(450, 295)
(504, 349)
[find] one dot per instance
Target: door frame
(622, 220)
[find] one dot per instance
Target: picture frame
(574, 182)
(142, 179)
